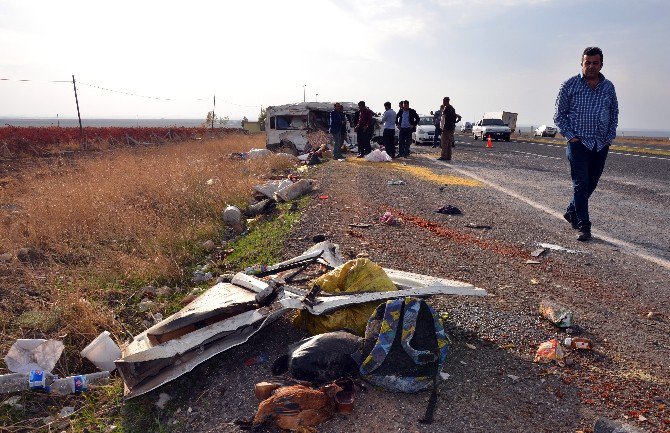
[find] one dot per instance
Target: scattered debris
(388, 219)
(550, 351)
(254, 360)
(557, 248)
(258, 153)
(395, 182)
(360, 225)
(298, 407)
(66, 411)
(532, 262)
(38, 380)
(324, 197)
(470, 346)
(262, 207)
(163, 398)
(534, 281)
(201, 277)
(13, 402)
(378, 156)
(478, 226)
(514, 378)
(581, 343)
(33, 354)
(102, 352)
(448, 209)
(538, 252)
(232, 216)
(295, 190)
(228, 314)
(557, 314)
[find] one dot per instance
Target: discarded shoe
(572, 219)
(584, 234)
(449, 210)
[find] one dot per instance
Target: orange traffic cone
(489, 145)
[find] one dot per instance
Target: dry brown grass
(103, 226)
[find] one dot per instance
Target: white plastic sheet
(378, 156)
(33, 354)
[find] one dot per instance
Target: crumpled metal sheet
(33, 354)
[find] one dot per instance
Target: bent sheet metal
(228, 314)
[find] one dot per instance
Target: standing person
(364, 129)
(448, 125)
(338, 128)
(406, 119)
(388, 123)
(437, 119)
(587, 114)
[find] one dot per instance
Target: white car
(466, 127)
(425, 131)
(545, 131)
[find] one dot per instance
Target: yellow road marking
(423, 173)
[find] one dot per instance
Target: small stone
(641, 418)
(14, 402)
(471, 346)
(145, 305)
(534, 281)
(513, 377)
(189, 410)
(6, 257)
(164, 291)
(208, 245)
(157, 317)
(149, 291)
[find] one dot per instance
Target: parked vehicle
(495, 128)
(466, 127)
(507, 117)
(545, 131)
(425, 131)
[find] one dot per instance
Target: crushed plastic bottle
(38, 380)
(255, 269)
(557, 314)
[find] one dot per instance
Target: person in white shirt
(388, 137)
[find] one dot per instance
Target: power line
(127, 93)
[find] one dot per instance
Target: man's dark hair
(387, 105)
(361, 103)
(405, 102)
(593, 51)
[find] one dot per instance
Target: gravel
(495, 386)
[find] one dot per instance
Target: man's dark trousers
(405, 139)
(388, 139)
(586, 166)
(363, 138)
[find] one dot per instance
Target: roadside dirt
(620, 302)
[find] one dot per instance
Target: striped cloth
(592, 115)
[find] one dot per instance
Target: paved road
(631, 204)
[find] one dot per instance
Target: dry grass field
(82, 236)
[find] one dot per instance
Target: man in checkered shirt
(587, 114)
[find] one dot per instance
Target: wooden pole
(81, 130)
(214, 113)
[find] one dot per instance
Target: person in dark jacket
(364, 129)
(338, 128)
(406, 119)
(448, 124)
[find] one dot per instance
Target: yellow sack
(359, 275)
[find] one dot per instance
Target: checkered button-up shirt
(592, 115)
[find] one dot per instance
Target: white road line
(621, 244)
(535, 154)
(640, 156)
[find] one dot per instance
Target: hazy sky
(487, 55)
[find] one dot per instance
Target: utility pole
(317, 97)
(213, 112)
(303, 92)
(76, 99)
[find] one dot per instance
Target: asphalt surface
(631, 203)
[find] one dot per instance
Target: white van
(297, 128)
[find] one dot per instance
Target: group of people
(586, 113)
(405, 120)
